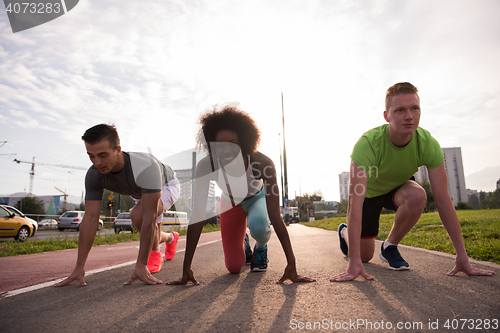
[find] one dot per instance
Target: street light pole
(285, 189)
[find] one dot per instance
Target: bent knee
(233, 268)
(416, 197)
(366, 257)
(420, 196)
(259, 230)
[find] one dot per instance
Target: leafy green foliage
(464, 206)
(305, 200)
(31, 205)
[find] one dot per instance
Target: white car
(72, 220)
(16, 212)
(47, 223)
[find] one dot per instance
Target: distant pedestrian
(151, 184)
(382, 164)
(250, 194)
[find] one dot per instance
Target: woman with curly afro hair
(250, 194)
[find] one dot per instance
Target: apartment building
(344, 185)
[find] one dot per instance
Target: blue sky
(153, 67)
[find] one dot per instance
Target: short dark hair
(398, 89)
(228, 117)
(101, 132)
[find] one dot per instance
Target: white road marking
(95, 271)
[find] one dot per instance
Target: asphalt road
(419, 300)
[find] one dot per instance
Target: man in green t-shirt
(382, 164)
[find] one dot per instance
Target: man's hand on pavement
(142, 273)
(353, 271)
(78, 274)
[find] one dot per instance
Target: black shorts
(372, 207)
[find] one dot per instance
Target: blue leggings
(233, 224)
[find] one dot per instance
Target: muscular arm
(445, 207)
(268, 172)
(448, 215)
(88, 229)
(150, 208)
(203, 175)
(357, 192)
(149, 203)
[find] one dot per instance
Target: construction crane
(2, 144)
(32, 172)
(65, 196)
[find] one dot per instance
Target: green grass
(13, 248)
(480, 229)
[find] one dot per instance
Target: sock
(171, 234)
(342, 232)
(386, 244)
(157, 251)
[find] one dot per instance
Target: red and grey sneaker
(155, 262)
(171, 248)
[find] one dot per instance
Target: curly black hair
(228, 117)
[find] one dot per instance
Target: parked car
(123, 222)
(72, 220)
(14, 226)
(17, 212)
(47, 223)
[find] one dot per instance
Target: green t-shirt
(389, 166)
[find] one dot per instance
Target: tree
(474, 201)
(464, 206)
(429, 205)
(484, 199)
(342, 207)
(305, 200)
(31, 205)
(494, 200)
(126, 203)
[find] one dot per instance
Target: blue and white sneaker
(392, 256)
(343, 243)
(248, 251)
(259, 263)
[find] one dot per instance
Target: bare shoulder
(262, 159)
(204, 167)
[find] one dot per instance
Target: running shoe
(171, 248)
(248, 251)
(259, 263)
(343, 243)
(155, 262)
(392, 256)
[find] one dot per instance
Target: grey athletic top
(141, 173)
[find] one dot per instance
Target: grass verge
(13, 248)
(480, 230)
